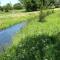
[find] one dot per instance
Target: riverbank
(9, 19)
(12, 18)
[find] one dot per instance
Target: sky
(3, 2)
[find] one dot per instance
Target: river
(7, 34)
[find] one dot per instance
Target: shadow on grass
(39, 47)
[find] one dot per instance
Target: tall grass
(9, 19)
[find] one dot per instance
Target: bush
(42, 17)
(43, 14)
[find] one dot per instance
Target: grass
(10, 19)
(50, 27)
(34, 31)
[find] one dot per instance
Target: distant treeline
(9, 6)
(33, 5)
(30, 5)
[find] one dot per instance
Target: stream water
(7, 34)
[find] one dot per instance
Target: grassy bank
(10, 19)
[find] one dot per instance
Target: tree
(7, 7)
(45, 5)
(17, 6)
(41, 10)
(1, 8)
(57, 3)
(30, 5)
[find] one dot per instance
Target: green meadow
(29, 29)
(50, 26)
(31, 39)
(12, 18)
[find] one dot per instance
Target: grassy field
(50, 27)
(10, 19)
(32, 36)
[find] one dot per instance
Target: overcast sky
(3, 2)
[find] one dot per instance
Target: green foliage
(45, 13)
(30, 5)
(7, 7)
(17, 6)
(57, 5)
(1, 8)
